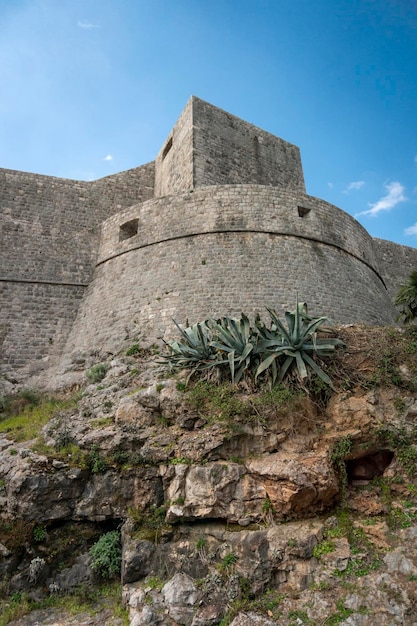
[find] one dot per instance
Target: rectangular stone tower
(208, 146)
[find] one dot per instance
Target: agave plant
(233, 344)
(282, 348)
(194, 351)
(235, 341)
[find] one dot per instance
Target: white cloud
(108, 157)
(87, 25)
(330, 185)
(411, 230)
(354, 186)
(394, 196)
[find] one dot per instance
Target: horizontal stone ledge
(238, 231)
(41, 282)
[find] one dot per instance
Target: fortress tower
(219, 223)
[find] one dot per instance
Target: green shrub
(325, 547)
(97, 463)
(25, 399)
(134, 349)
(201, 543)
(96, 373)
(218, 402)
(31, 396)
(406, 299)
(39, 534)
(180, 460)
(149, 526)
(4, 404)
(107, 554)
(229, 560)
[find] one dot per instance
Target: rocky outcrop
(222, 512)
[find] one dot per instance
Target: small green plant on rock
(107, 554)
(298, 617)
(340, 616)
(201, 547)
(96, 373)
(218, 402)
(399, 404)
(268, 511)
(268, 603)
(39, 534)
(134, 349)
(338, 454)
(97, 463)
(322, 548)
(228, 562)
(403, 443)
(155, 583)
(180, 460)
(149, 526)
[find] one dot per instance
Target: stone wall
(244, 208)
(228, 151)
(35, 322)
(396, 263)
(49, 231)
(174, 163)
(224, 249)
(50, 226)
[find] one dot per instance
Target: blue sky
(93, 87)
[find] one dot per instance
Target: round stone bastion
(224, 249)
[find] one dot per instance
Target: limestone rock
(180, 597)
(241, 505)
(131, 411)
(208, 616)
(293, 485)
(136, 560)
(251, 619)
(214, 490)
(73, 577)
(396, 561)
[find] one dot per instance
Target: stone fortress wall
(219, 223)
(49, 235)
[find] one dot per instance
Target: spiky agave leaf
(317, 369)
(234, 340)
(194, 351)
(287, 347)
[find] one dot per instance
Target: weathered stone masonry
(219, 223)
